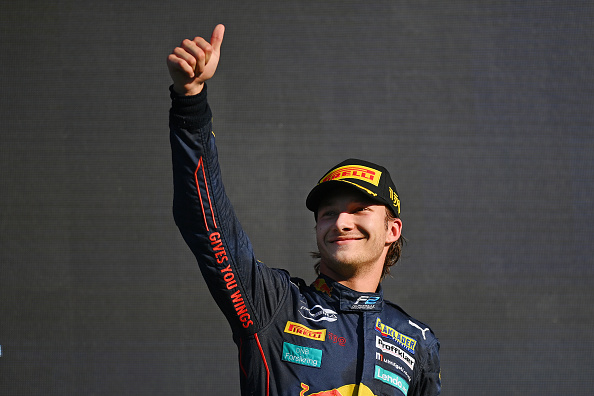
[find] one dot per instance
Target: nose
(344, 221)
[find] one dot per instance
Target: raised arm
(194, 62)
(247, 292)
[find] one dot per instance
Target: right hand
(194, 62)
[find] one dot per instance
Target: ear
(394, 230)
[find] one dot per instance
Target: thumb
(217, 37)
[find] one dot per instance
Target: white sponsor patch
(318, 313)
(382, 358)
(393, 350)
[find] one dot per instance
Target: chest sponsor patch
(337, 339)
(388, 332)
(305, 356)
(304, 331)
(393, 350)
(391, 379)
(390, 361)
(317, 313)
(345, 390)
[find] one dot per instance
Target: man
(337, 336)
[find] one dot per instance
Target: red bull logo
(321, 286)
(345, 390)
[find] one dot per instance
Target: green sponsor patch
(391, 379)
(302, 355)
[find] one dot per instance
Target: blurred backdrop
(482, 112)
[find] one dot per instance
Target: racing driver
(337, 336)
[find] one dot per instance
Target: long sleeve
(247, 292)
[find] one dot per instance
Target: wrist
(188, 89)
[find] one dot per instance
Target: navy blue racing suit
(292, 338)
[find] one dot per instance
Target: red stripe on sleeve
(199, 194)
(265, 365)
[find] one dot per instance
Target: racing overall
(293, 338)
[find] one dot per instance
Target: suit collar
(350, 300)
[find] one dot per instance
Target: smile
(344, 239)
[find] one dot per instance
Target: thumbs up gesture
(194, 62)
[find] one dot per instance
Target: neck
(364, 282)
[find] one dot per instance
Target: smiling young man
(354, 233)
(337, 336)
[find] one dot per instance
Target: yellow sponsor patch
(389, 332)
(304, 331)
(359, 172)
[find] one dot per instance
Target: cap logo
(359, 172)
(395, 199)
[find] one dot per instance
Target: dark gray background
(483, 112)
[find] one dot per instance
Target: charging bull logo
(321, 286)
(345, 390)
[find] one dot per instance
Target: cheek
(321, 231)
(321, 226)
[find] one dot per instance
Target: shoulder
(411, 326)
(297, 282)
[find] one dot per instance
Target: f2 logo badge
(366, 303)
(367, 300)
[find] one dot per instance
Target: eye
(327, 213)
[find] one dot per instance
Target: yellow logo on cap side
(359, 172)
(395, 199)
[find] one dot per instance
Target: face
(352, 233)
